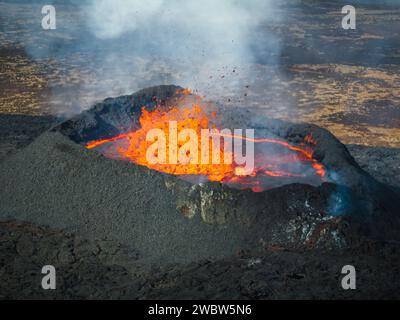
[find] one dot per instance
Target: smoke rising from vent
(120, 46)
(230, 51)
(203, 45)
(106, 48)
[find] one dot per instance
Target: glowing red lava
(274, 159)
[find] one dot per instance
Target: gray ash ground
(102, 268)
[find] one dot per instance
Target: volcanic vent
(89, 175)
(274, 161)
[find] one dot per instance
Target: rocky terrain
(346, 82)
(103, 268)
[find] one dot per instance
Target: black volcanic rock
(102, 269)
(55, 181)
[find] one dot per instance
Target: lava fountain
(276, 162)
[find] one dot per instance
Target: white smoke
(214, 28)
(107, 48)
(192, 43)
(113, 18)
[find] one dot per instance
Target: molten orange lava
(133, 146)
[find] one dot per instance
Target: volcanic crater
(85, 175)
